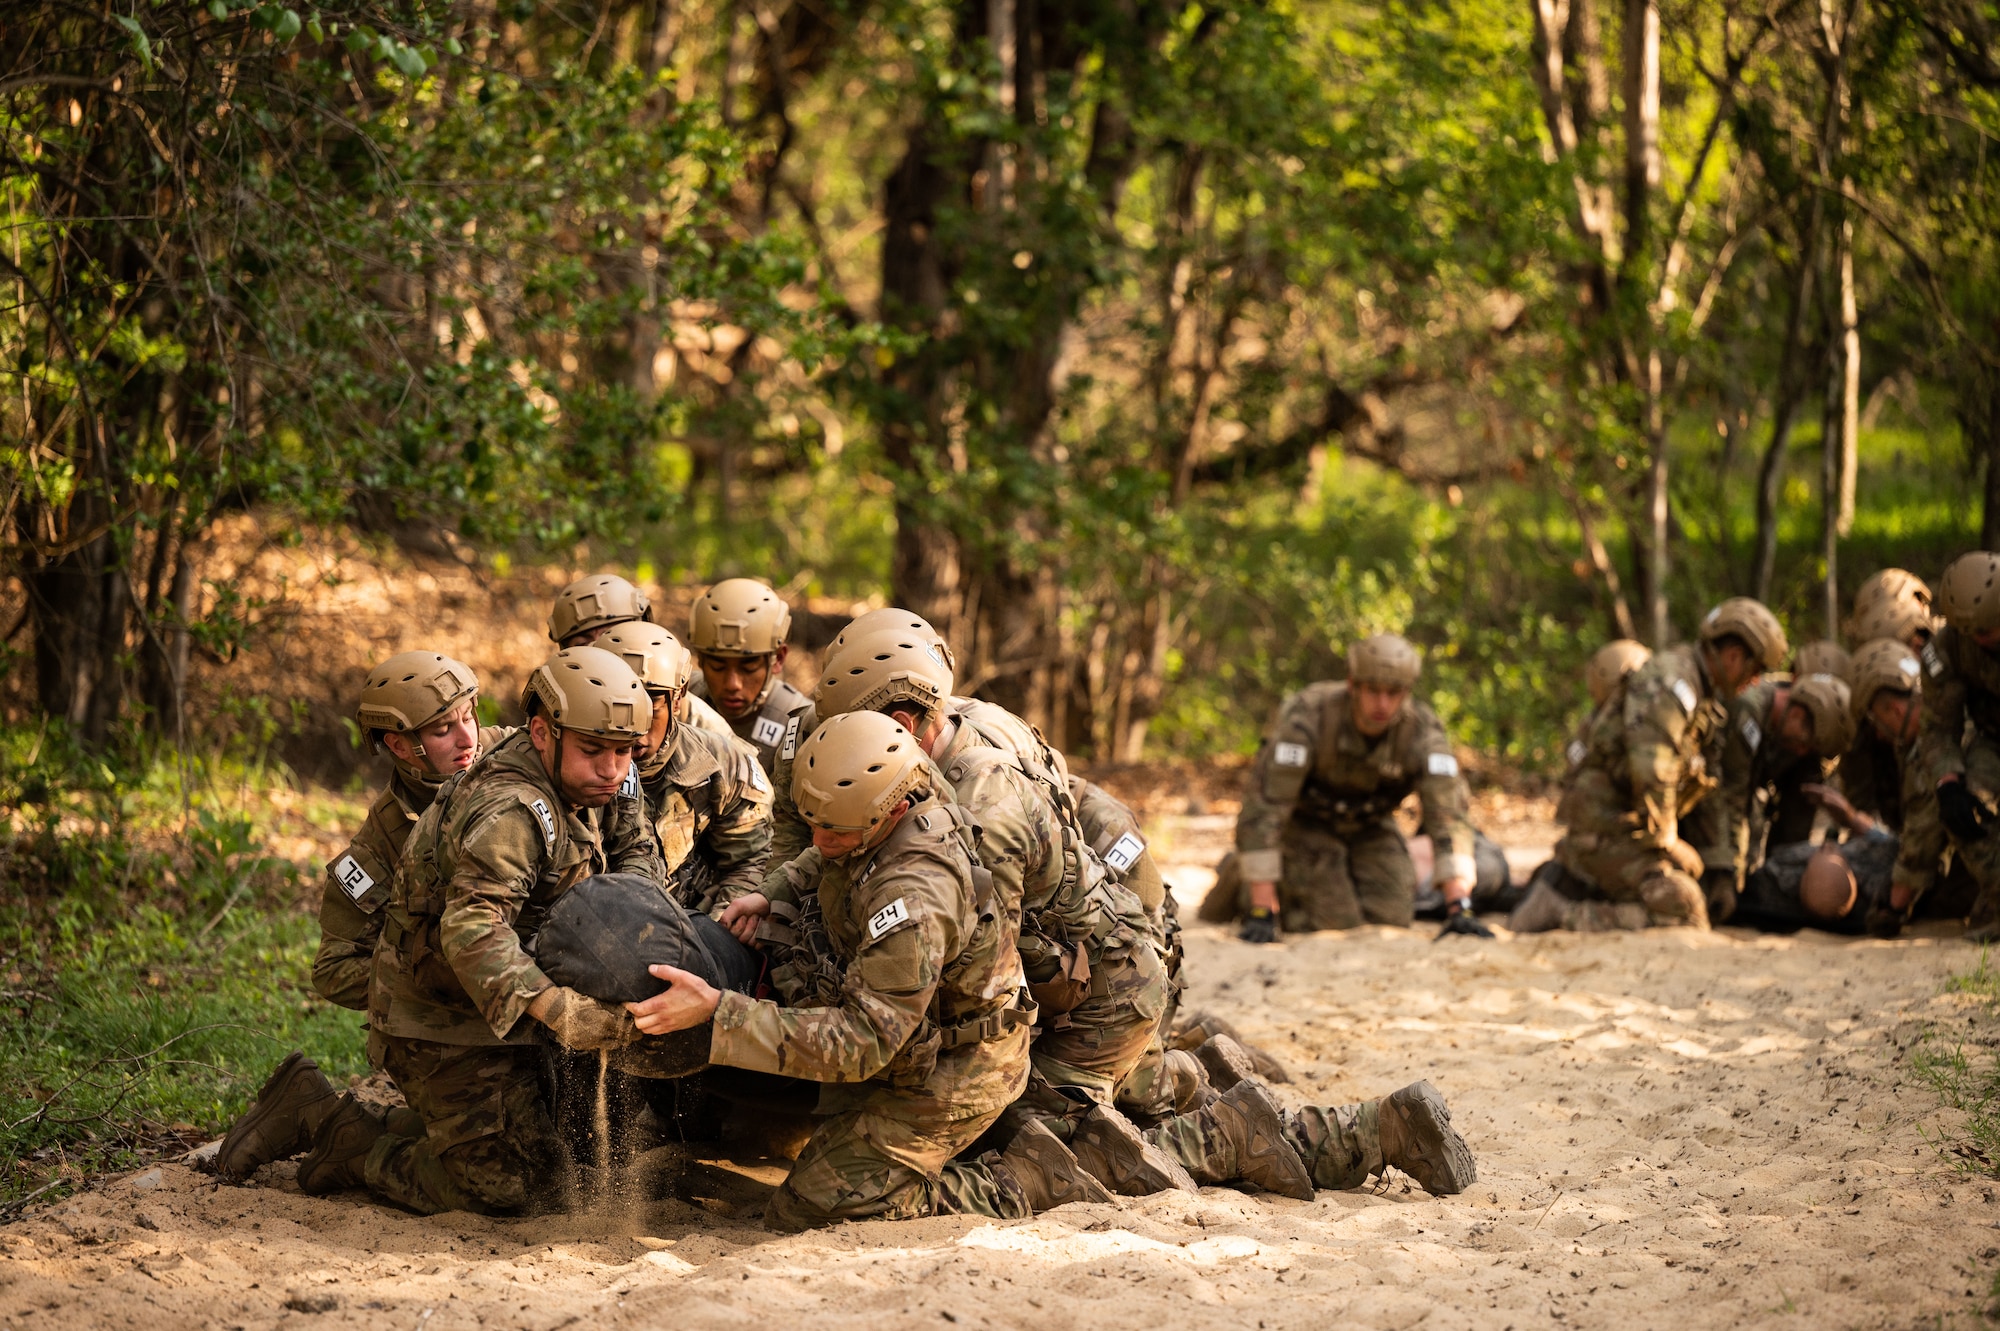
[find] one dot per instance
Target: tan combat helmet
(1385, 661)
(1909, 622)
(589, 691)
(890, 665)
(593, 602)
(1753, 622)
(1969, 594)
(854, 770)
(1611, 663)
(1832, 711)
(1824, 657)
(739, 617)
(893, 617)
(1886, 663)
(656, 656)
(410, 690)
(1892, 586)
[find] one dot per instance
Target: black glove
(1259, 926)
(1961, 812)
(1884, 921)
(1459, 919)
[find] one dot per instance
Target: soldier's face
(837, 845)
(592, 768)
(1376, 708)
(1732, 668)
(446, 745)
(1795, 730)
(736, 682)
(1895, 716)
(664, 707)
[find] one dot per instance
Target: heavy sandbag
(602, 934)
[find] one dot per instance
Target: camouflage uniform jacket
(1316, 769)
(1754, 763)
(987, 724)
(1922, 834)
(708, 794)
(1871, 776)
(358, 881)
(1650, 754)
(1068, 911)
(1112, 830)
(771, 724)
(928, 1018)
(480, 871)
(1961, 689)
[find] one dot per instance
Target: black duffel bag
(602, 934)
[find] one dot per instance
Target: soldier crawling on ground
(1316, 843)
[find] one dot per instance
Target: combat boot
(1200, 1027)
(1225, 1061)
(1673, 898)
(1192, 1091)
(1249, 1125)
(340, 1147)
(1418, 1138)
(1540, 911)
(1039, 1171)
(289, 1108)
(1115, 1153)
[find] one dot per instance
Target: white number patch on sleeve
(630, 790)
(547, 820)
(1753, 734)
(1933, 660)
(1124, 852)
(753, 773)
(353, 879)
(766, 732)
(791, 746)
(1907, 666)
(887, 918)
(1289, 755)
(1442, 764)
(1686, 696)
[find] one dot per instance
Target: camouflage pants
(1329, 881)
(1636, 885)
(870, 1165)
(1341, 1144)
(1981, 858)
(1096, 1045)
(489, 1143)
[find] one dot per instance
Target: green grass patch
(1965, 1074)
(155, 961)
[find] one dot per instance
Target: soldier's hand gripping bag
(602, 934)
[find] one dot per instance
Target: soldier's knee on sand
(1673, 898)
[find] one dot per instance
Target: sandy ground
(1672, 1130)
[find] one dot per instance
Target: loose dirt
(1673, 1129)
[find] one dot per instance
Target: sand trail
(1672, 1130)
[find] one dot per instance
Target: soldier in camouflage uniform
(1895, 604)
(421, 707)
(1823, 657)
(1778, 746)
(1086, 944)
(1958, 744)
(707, 794)
(455, 984)
(1892, 606)
(590, 607)
(1888, 708)
(1316, 842)
(919, 1033)
(738, 630)
(1649, 766)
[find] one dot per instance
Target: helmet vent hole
(874, 767)
(844, 782)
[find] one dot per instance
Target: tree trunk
(77, 604)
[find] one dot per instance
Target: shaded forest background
(1152, 350)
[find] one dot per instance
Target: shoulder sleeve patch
(1124, 852)
(1932, 661)
(887, 918)
(1685, 693)
(1753, 734)
(1289, 755)
(540, 808)
(630, 789)
(790, 748)
(1441, 764)
(753, 775)
(766, 732)
(353, 879)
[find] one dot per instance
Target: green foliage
(154, 961)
